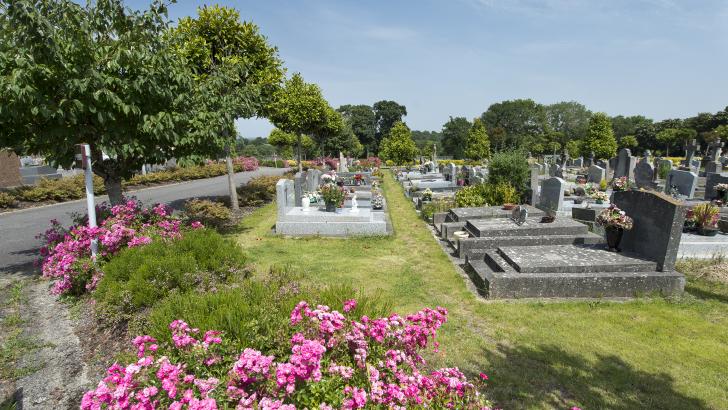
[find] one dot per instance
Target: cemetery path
(18, 246)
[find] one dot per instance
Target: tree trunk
(231, 180)
(300, 165)
(112, 183)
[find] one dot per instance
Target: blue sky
(659, 58)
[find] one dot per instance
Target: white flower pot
(305, 203)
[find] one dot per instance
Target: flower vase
(305, 203)
(707, 231)
(331, 207)
(614, 237)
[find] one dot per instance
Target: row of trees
(139, 90)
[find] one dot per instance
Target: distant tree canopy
(386, 114)
(477, 144)
(454, 136)
(426, 141)
(600, 137)
(515, 124)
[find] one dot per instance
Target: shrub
(258, 191)
(7, 200)
(438, 205)
(245, 164)
(334, 360)
(62, 189)
(137, 278)
(209, 213)
(486, 194)
(510, 167)
(663, 170)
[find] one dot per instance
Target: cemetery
(188, 222)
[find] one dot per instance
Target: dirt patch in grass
(714, 269)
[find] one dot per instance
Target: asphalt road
(19, 248)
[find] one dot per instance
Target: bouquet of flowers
(590, 189)
(328, 178)
(706, 215)
(599, 197)
(427, 195)
(313, 197)
(332, 194)
(614, 217)
(378, 202)
(620, 184)
(721, 187)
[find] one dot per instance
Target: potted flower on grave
(358, 178)
(706, 217)
(620, 184)
(689, 224)
(722, 192)
(461, 179)
(600, 197)
(615, 221)
(427, 195)
(377, 201)
(333, 196)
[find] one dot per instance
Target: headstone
(313, 179)
(711, 181)
(553, 169)
(552, 194)
(453, 171)
(9, 169)
(298, 182)
(625, 164)
(590, 161)
(285, 196)
(535, 172)
(596, 174)
(690, 153)
(342, 163)
(657, 229)
(613, 163)
(578, 162)
(644, 174)
(684, 182)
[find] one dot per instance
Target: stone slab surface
(468, 246)
(572, 259)
(532, 227)
(318, 215)
(484, 212)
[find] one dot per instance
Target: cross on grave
(715, 150)
(690, 152)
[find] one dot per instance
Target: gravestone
(590, 161)
(711, 181)
(10, 174)
(612, 163)
(625, 164)
(684, 182)
(453, 171)
(285, 196)
(690, 153)
(644, 174)
(552, 194)
(313, 179)
(657, 229)
(579, 162)
(535, 172)
(298, 184)
(596, 174)
(555, 170)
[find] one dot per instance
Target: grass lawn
(647, 353)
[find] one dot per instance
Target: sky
(442, 58)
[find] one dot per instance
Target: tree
(722, 131)
(398, 145)
(477, 145)
(668, 137)
(568, 120)
(425, 140)
(299, 108)
(523, 123)
(218, 42)
(454, 134)
(624, 126)
(386, 114)
(628, 141)
(363, 123)
(342, 139)
(573, 148)
(600, 137)
(100, 74)
(283, 141)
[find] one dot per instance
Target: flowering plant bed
(334, 362)
(620, 184)
(600, 197)
(613, 217)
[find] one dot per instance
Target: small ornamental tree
(101, 74)
(600, 137)
(398, 146)
(628, 141)
(668, 137)
(299, 108)
(477, 145)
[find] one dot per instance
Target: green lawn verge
(646, 353)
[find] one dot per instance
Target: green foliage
(61, 84)
(477, 145)
(628, 141)
(668, 137)
(600, 137)
(386, 115)
(437, 205)
(62, 189)
(573, 148)
(398, 145)
(214, 214)
(7, 200)
(258, 191)
(139, 277)
(663, 169)
(454, 136)
(363, 123)
(569, 119)
(486, 194)
(515, 123)
(510, 167)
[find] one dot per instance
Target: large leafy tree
(386, 114)
(521, 122)
(299, 108)
(600, 137)
(398, 145)
(477, 145)
(235, 63)
(668, 136)
(454, 135)
(624, 126)
(363, 124)
(100, 74)
(569, 119)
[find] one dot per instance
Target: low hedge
(214, 214)
(258, 191)
(486, 194)
(139, 277)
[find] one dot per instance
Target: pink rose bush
(66, 254)
(335, 362)
(246, 163)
